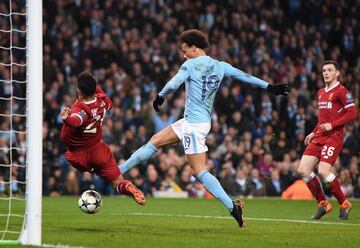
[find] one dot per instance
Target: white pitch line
(246, 218)
(320, 222)
(60, 246)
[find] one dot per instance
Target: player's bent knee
(196, 172)
(324, 169)
(307, 165)
(155, 140)
(303, 171)
(324, 172)
(197, 168)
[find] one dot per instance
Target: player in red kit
(324, 143)
(82, 135)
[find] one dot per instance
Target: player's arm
(73, 118)
(276, 89)
(172, 85)
(311, 135)
(350, 112)
(316, 128)
(351, 115)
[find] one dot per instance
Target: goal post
(21, 89)
(21, 68)
(31, 233)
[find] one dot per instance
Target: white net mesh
(12, 117)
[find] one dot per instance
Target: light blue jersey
(202, 77)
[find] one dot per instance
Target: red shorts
(327, 149)
(98, 159)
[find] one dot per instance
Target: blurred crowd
(131, 47)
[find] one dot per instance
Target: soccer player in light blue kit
(202, 76)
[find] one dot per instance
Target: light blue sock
(214, 187)
(141, 155)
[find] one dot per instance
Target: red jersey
(336, 106)
(83, 128)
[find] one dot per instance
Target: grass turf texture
(179, 223)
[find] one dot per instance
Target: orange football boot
(324, 208)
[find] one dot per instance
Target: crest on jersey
(330, 96)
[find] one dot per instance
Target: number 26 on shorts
(327, 152)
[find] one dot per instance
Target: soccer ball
(90, 202)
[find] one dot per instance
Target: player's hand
(326, 127)
(157, 102)
(278, 89)
(309, 138)
(65, 113)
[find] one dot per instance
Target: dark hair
(331, 62)
(195, 37)
(86, 83)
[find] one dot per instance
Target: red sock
(121, 186)
(316, 189)
(336, 191)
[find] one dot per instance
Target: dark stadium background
(131, 47)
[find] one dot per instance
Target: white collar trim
(90, 101)
(332, 87)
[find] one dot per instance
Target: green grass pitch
(192, 223)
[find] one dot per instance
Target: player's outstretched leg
(214, 187)
(345, 209)
(237, 212)
(128, 188)
(324, 208)
(141, 155)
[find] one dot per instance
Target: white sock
(309, 177)
(330, 178)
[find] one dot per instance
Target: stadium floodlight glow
(31, 219)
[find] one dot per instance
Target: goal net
(20, 121)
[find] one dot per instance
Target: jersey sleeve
(346, 99)
(77, 117)
(101, 94)
(230, 71)
(180, 77)
(348, 104)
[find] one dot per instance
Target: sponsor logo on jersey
(198, 67)
(325, 105)
(209, 69)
